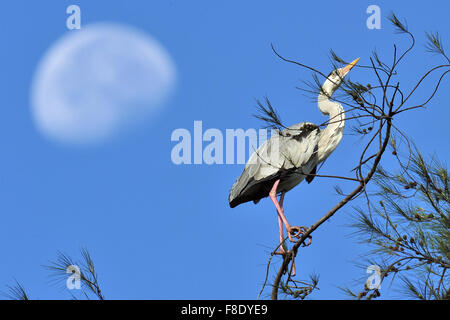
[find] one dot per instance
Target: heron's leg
(280, 225)
(292, 231)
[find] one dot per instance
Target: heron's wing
(298, 145)
(309, 179)
(259, 165)
(292, 149)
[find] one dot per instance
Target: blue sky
(161, 231)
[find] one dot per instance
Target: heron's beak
(348, 67)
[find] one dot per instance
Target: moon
(93, 83)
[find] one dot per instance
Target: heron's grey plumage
(289, 156)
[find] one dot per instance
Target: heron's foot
(297, 232)
(291, 269)
(282, 250)
(294, 232)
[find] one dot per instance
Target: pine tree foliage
(408, 226)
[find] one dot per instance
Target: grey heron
(291, 156)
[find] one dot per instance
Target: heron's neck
(332, 134)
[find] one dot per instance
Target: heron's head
(335, 78)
